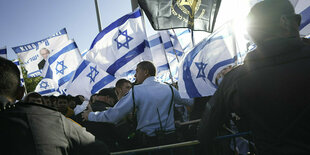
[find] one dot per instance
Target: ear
(284, 23)
(20, 92)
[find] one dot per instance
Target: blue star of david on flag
(93, 73)
(60, 67)
(126, 43)
(201, 67)
(44, 84)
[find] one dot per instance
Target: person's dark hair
(62, 97)
(121, 82)
(9, 78)
(77, 100)
(33, 95)
(108, 92)
(92, 97)
(149, 66)
(267, 14)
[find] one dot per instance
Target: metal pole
(134, 4)
(98, 16)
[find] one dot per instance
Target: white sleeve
(115, 114)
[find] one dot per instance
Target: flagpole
(193, 42)
(98, 15)
(175, 53)
(169, 67)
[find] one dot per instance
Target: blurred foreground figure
(34, 129)
(270, 91)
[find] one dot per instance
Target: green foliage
(30, 83)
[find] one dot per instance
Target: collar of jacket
(149, 80)
(274, 48)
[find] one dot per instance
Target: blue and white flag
(159, 57)
(22, 81)
(89, 79)
(199, 68)
(3, 52)
(47, 87)
(120, 46)
(62, 63)
(185, 38)
(83, 54)
(34, 55)
(171, 44)
(302, 7)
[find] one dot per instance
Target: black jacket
(270, 93)
(34, 129)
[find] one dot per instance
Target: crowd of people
(267, 95)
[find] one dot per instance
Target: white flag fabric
(89, 79)
(185, 38)
(62, 63)
(47, 87)
(171, 44)
(3, 52)
(30, 54)
(159, 57)
(83, 54)
(199, 68)
(302, 7)
(120, 46)
(16, 62)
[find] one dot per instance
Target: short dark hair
(62, 97)
(33, 95)
(148, 66)
(108, 92)
(267, 13)
(9, 78)
(121, 82)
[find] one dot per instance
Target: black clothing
(270, 93)
(32, 129)
(41, 64)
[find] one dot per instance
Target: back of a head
(264, 17)
(9, 78)
(148, 66)
(108, 92)
(120, 82)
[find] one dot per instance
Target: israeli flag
(89, 79)
(62, 63)
(22, 81)
(34, 55)
(184, 37)
(47, 87)
(302, 7)
(171, 44)
(120, 46)
(3, 52)
(199, 68)
(83, 54)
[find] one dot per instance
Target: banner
(3, 52)
(22, 81)
(89, 79)
(34, 55)
(302, 7)
(62, 63)
(193, 14)
(120, 46)
(199, 70)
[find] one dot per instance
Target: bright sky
(26, 21)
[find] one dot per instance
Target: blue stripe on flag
(162, 68)
(177, 52)
(3, 51)
(66, 49)
(65, 79)
(114, 25)
(46, 91)
(305, 18)
(168, 45)
(184, 32)
(218, 65)
(82, 66)
(190, 88)
(16, 63)
(119, 63)
(35, 72)
(103, 82)
(49, 73)
(155, 42)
